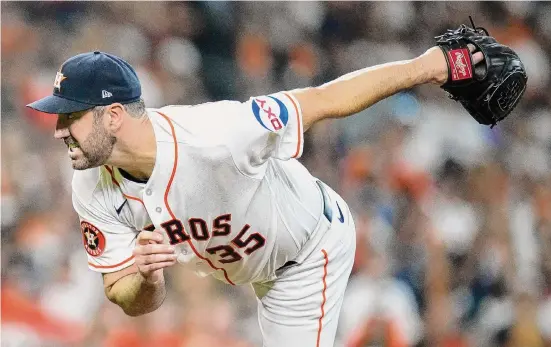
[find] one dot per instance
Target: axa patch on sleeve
(270, 112)
(93, 239)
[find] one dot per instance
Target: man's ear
(115, 116)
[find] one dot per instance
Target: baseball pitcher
(217, 186)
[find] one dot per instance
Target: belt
(327, 209)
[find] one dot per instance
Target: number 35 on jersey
(245, 241)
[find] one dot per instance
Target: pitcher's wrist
(154, 278)
(432, 66)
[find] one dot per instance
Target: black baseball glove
(490, 90)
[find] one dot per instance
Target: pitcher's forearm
(358, 90)
(137, 295)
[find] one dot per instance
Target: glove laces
(481, 30)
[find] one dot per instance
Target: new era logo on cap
(105, 94)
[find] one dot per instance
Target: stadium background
(454, 219)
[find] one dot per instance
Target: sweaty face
(89, 143)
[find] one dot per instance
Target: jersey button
(158, 209)
(148, 192)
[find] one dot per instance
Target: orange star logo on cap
(58, 79)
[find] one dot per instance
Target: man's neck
(130, 177)
(139, 174)
(136, 150)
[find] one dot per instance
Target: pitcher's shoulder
(87, 182)
(208, 114)
(206, 124)
(213, 106)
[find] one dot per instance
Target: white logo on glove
(460, 69)
(460, 63)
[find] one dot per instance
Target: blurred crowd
(454, 218)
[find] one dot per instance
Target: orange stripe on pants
(320, 325)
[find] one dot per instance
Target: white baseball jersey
(225, 189)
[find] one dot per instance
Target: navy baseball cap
(91, 79)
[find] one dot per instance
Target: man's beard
(96, 148)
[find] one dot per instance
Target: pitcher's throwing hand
(151, 255)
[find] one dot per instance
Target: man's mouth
(71, 143)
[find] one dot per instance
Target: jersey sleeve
(265, 127)
(108, 242)
(254, 131)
